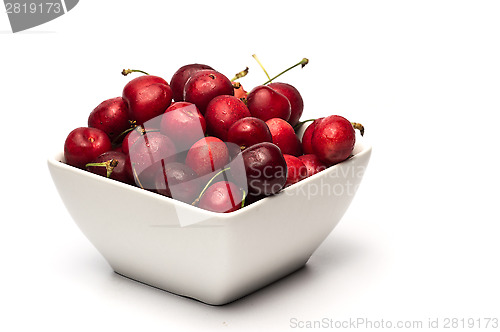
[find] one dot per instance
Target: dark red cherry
(265, 103)
(222, 112)
(147, 97)
(333, 139)
(178, 181)
(111, 116)
(112, 164)
(183, 124)
(307, 137)
(222, 196)
(207, 155)
(249, 131)
(265, 169)
(294, 97)
(312, 163)
(296, 169)
(181, 76)
(84, 144)
(204, 86)
(284, 137)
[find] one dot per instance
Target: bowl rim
(57, 160)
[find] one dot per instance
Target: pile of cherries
(202, 139)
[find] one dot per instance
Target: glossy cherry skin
(265, 103)
(147, 97)
(312, 163)
(181, 76)
(222, 196)
(222, 112)
(294, 97)
(333, 139)
(207, 155)
(249, 131)
(178, 181)
(84, 144)
(284, 137)
(307, 137)
(120, 168)
(296, 170)
(265, 169)
(145, 155)
(111, 116)
(204, 86)
(184, 124)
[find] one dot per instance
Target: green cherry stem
(125, 72)
(243, 199)
(261, 66)
(301, 123)
(241, 74)
(302, 62)
(117, 141)
(208, 185)
(110, 166)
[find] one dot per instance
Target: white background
(421, 238)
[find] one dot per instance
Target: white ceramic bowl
(213, 257)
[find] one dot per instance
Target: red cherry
(112, 164)
(312, 163)
(284, 137)
(295, 99)
(265, 169)
(181, 76)
(333, 139)
(222, 112)
(84, 144)
(307, 136)
(184, 124)
(204, 86)
(249, 131)
(147, 97)
(178, 181)
(207, 155)
(111, 116)
(296, 169)
(222, 196)
(265, 103)
(145, 155)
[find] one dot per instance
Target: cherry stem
(301, 123)
(261, 66)
(359, 127)
(241, 74)
(208, 185)
(302, 62)
(136, 177)
(125, 72)
(110, 166)
(243, 198)
(117, 139)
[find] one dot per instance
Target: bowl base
(208, 302)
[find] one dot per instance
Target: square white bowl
(215, 258)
